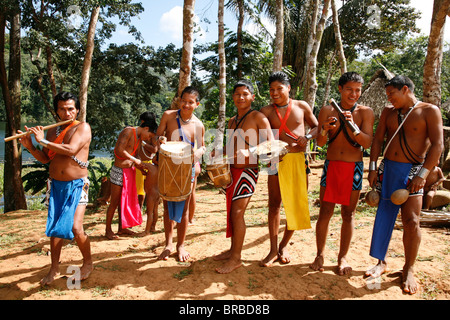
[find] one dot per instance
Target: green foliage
(36, 179)
(257, 66)
(98, 169)
(126, 81)
(408, 61)
(397, 19)
(129, 79)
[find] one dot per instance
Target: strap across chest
(283, 120)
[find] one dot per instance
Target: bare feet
(377, 270)
(284, 256)
(110, 235)
(223, 256)
(144, 233)
(50, 277)
(86, 270)
(269, 260)
(317, 265)
(344, 268)
(165, 254)
(229, 266)
(183, 255)
(127, 232)
(409, 284)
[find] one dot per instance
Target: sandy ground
(128, 269)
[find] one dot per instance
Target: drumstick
(353, 127)
(20, 135)
(291, 136)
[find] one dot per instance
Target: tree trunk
(311, 83)
(433, 60)
(36, 62)
(329, 77)
(187, 51)
(51, 76)
(14, 194)
(337, 35)
(300, 78)
(279, 37)
(83, 96)
(239, 37)
(222, 79)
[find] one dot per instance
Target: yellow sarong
(294, 192)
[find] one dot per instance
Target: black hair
(350, 77)
(191, 90)
(279, 76)
(148, 120)
(244, 83)
(65, 96)
(399, 82)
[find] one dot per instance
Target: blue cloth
(176, 209)
(64, 199)
(394, 177)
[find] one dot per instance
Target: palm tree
(187, 50)
(240, 8)
(279, 36)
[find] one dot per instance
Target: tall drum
(175, 170)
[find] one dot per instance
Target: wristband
(372, 166)
(44, 143)
(423, 173)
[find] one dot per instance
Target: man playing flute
(66, 148)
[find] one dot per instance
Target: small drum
(175, 170)
(219, 173)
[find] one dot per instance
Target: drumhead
(176, 148)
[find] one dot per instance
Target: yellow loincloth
(140, 178)
(294, 192)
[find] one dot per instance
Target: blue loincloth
(394, 177)
(64, 199)
(176, 209)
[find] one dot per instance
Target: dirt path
(128, 268)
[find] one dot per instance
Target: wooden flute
(20, 135)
